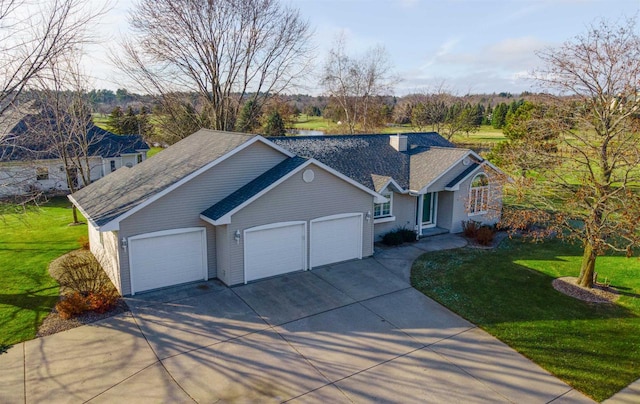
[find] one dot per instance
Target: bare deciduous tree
(32, 34)
(227, 51)
(356, 83)
(592, 193)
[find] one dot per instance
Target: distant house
(30, 160)
(243, 207)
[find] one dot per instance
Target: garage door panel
(275, 250)
(163, 260)
(335, 239)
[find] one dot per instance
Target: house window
(113, 165)
(479, 195)
(42, 173)
(139, 158)
(383, 209)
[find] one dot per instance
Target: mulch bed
(54, 323)
(598, 294)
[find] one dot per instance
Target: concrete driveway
(353, 332)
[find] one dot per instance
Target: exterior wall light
(368, 216)
(236, 236)
(124, 243)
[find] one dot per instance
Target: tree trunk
(75, 214)
(588, 266)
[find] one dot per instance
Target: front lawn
(508, 293)
(28, 242)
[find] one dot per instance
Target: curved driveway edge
(351, 332)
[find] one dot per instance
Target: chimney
(398, 142)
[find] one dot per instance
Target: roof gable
(221, 212)
(118, 195)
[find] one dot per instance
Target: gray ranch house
(241, 207)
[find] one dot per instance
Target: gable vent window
(479, 195)
(42, 173)
(383, 209)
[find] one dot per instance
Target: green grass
(28, 242)
(508, 293)
(153, 151)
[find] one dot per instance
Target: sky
(467, 46)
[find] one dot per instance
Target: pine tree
(274, 125)
(248, 119)
(114, 121)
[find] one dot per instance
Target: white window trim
(384, 219)
(482, 191)
(376, 219)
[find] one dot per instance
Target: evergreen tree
(129, 123)
(248, 119)
(274, 125)
(499, 115)
(144, 123)
(114, 121)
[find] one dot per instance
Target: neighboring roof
(124, 190)
(26, 130)
(253, 188)
(431, 164)
(371, 160)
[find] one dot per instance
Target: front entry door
(429, 205)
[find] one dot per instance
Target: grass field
(486, 136)
(508, 292)
(27, 244)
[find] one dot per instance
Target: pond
(304, 132)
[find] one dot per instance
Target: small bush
(102, 302)
(392, 238)
(470, 228)
(84, 243)
(79, 271)
(408, 236)
(485, 235)
(72, 305)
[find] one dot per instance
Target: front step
(433, 231)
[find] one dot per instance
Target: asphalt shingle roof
(26, 131)
(253, 188)
(430, 164)
(124, 189)
(371, 160)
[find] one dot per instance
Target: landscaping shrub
(392, 238)
(470, 228)
(72, 305)
(408, 236)
(84, 242)
(103, 301)
(485, 235)
(80, 272)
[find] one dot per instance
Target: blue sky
(471, 46)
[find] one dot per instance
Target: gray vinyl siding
(296, 200)
(404, 210)
(445, 208)
(449, 176)
(222, 249)
(460, 211)
(182, 207)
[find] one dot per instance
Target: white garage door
(167, 258)
(274, 249)
(336, 238)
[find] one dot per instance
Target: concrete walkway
(351, 332)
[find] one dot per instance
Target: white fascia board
(226, 219)
(115, 223)
(423, 190)
(395, 184)
(86, 216)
